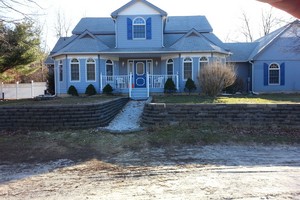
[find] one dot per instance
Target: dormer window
(139, 28)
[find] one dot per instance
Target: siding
(156, 27)
(292, 71)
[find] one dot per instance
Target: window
(140, 68)
(274, 71)
(60, 70)
(90, 70)
(109, 70)
(170, 67)
(203, 61)
(187, 68)
(139, 28)
(75, 70)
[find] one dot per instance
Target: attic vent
(193, 34)
(86, 36)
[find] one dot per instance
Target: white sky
(224, 16)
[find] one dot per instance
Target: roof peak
(132, 2)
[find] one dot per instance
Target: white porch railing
(119, 82)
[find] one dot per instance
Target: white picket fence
(22, 90)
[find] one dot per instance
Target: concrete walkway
(128, 120)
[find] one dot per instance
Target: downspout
(180, 70)
(252, 75)
(99, 67)
(67, 72)
(55, 77)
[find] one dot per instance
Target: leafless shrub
(216, 76)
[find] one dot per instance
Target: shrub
(169, 86)
(90, 90)
(72, 91)
(50, 82)
(107, 89)
(237, 86)
(215, 77)
(190, 86)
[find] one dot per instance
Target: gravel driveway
(190, 172)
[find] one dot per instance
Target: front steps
(139, 94)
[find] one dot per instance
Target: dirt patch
(186, 172)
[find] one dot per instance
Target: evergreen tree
(19, 45)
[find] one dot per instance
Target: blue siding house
(139, 47)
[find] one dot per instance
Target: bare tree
(62, 25)
(17, 10)
(246, 29)
(267, 24)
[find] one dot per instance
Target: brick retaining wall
(279, 115)
(60, 116)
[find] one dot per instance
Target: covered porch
(137, 87)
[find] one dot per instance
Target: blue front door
(140, 74)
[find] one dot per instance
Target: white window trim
(75, 81)
(167, 62)
(278, 74)
(60, 68)
(136, 65)
(86, 69)
(183, 68)
(133, 24)
(112, 64)
(200, 61)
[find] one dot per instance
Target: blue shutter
(129, 29)
(148, 29)
(266, 74)
(282, 74)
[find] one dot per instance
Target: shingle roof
(95, 26)
(85, 43)
(240, 51)
(115, 13)
(183, 24)
(266, 40)
(196, 42)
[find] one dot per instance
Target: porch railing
(119, 82)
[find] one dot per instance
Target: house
(271, 63)
(139, 47)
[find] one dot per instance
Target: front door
(140, 73)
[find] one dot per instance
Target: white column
(17, 89)
(32, 92)
(101, 86)
(130, 84)
(177, 82)
(147, 84)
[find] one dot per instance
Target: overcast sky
(224, 16)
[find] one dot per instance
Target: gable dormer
(139, 24)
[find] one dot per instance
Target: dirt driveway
(190, 172)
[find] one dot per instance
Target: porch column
(177, 81)
(101, 86)
(147, 84)
(130, 84)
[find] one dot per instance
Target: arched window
(187, 68)
(60, 66)
(75, 71)
(274, 74)
(90, 70)
(170, 67)
(203, 61)
(109, 70)
(139, 28)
